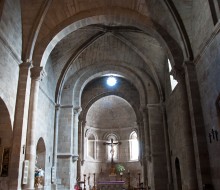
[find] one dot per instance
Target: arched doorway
(178, 174)
(5, 144)
(40, 164)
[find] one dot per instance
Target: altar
(110, 185)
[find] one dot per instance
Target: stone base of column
(54, 187)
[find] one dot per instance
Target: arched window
(134, 147)
(91, 146)
(173, 82)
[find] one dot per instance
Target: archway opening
(178, 174)
(40, 164)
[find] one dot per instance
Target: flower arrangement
(119, 168)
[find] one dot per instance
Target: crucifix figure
(112, 144)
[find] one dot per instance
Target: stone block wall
(45, 119)
(208, 69)
(10, 26)
(202, 25)
(180, 137)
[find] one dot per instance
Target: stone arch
(127, 43)
(5, 138)
(78, 81)
(136, 110)
(130, 76)
(111, 16)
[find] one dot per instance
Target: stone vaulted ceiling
(82, 40)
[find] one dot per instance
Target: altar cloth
(110, 185)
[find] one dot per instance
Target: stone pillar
(146, 151)
(76, 112)
(20, 127)
(80, 147)
(141, 140)
(32, 116)
(55, 144)
(167, 145)
(65, 147)
(198, 127)
(159, 175)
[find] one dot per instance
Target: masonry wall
(45, 119)
(10, 53)
(208, 69)
(180, 137)
(202, 25)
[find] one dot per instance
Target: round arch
(134, 107)
(78, 81)
(127, 43)
(111, 16)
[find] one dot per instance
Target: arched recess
(85, 75)
(178, 174)
(91, 102)
(91, 145)
(5, 139)
(78, 81)
(41, 157)
(108, 16)
(112, 152)
(133, 146)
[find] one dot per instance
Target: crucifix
(112, 144)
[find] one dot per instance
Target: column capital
(188, 63)
(57, 107)
(37, 73)
(178, 73)
(76, 110)
(25, 66)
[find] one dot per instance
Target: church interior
(109, 94)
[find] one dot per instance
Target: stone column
(141, 140)
(146, 148)
(197, 124)
(76, 112)
(80, 147)
(56, 130)
(159, 175)
(32, 116)
(20, 127)
(65, 148)
(167, 145)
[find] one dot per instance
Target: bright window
(134, 146)
(173, 82)
(91, 146)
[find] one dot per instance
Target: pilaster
(32, 116)
(56, 131)
(20, 127)
(197, 125)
